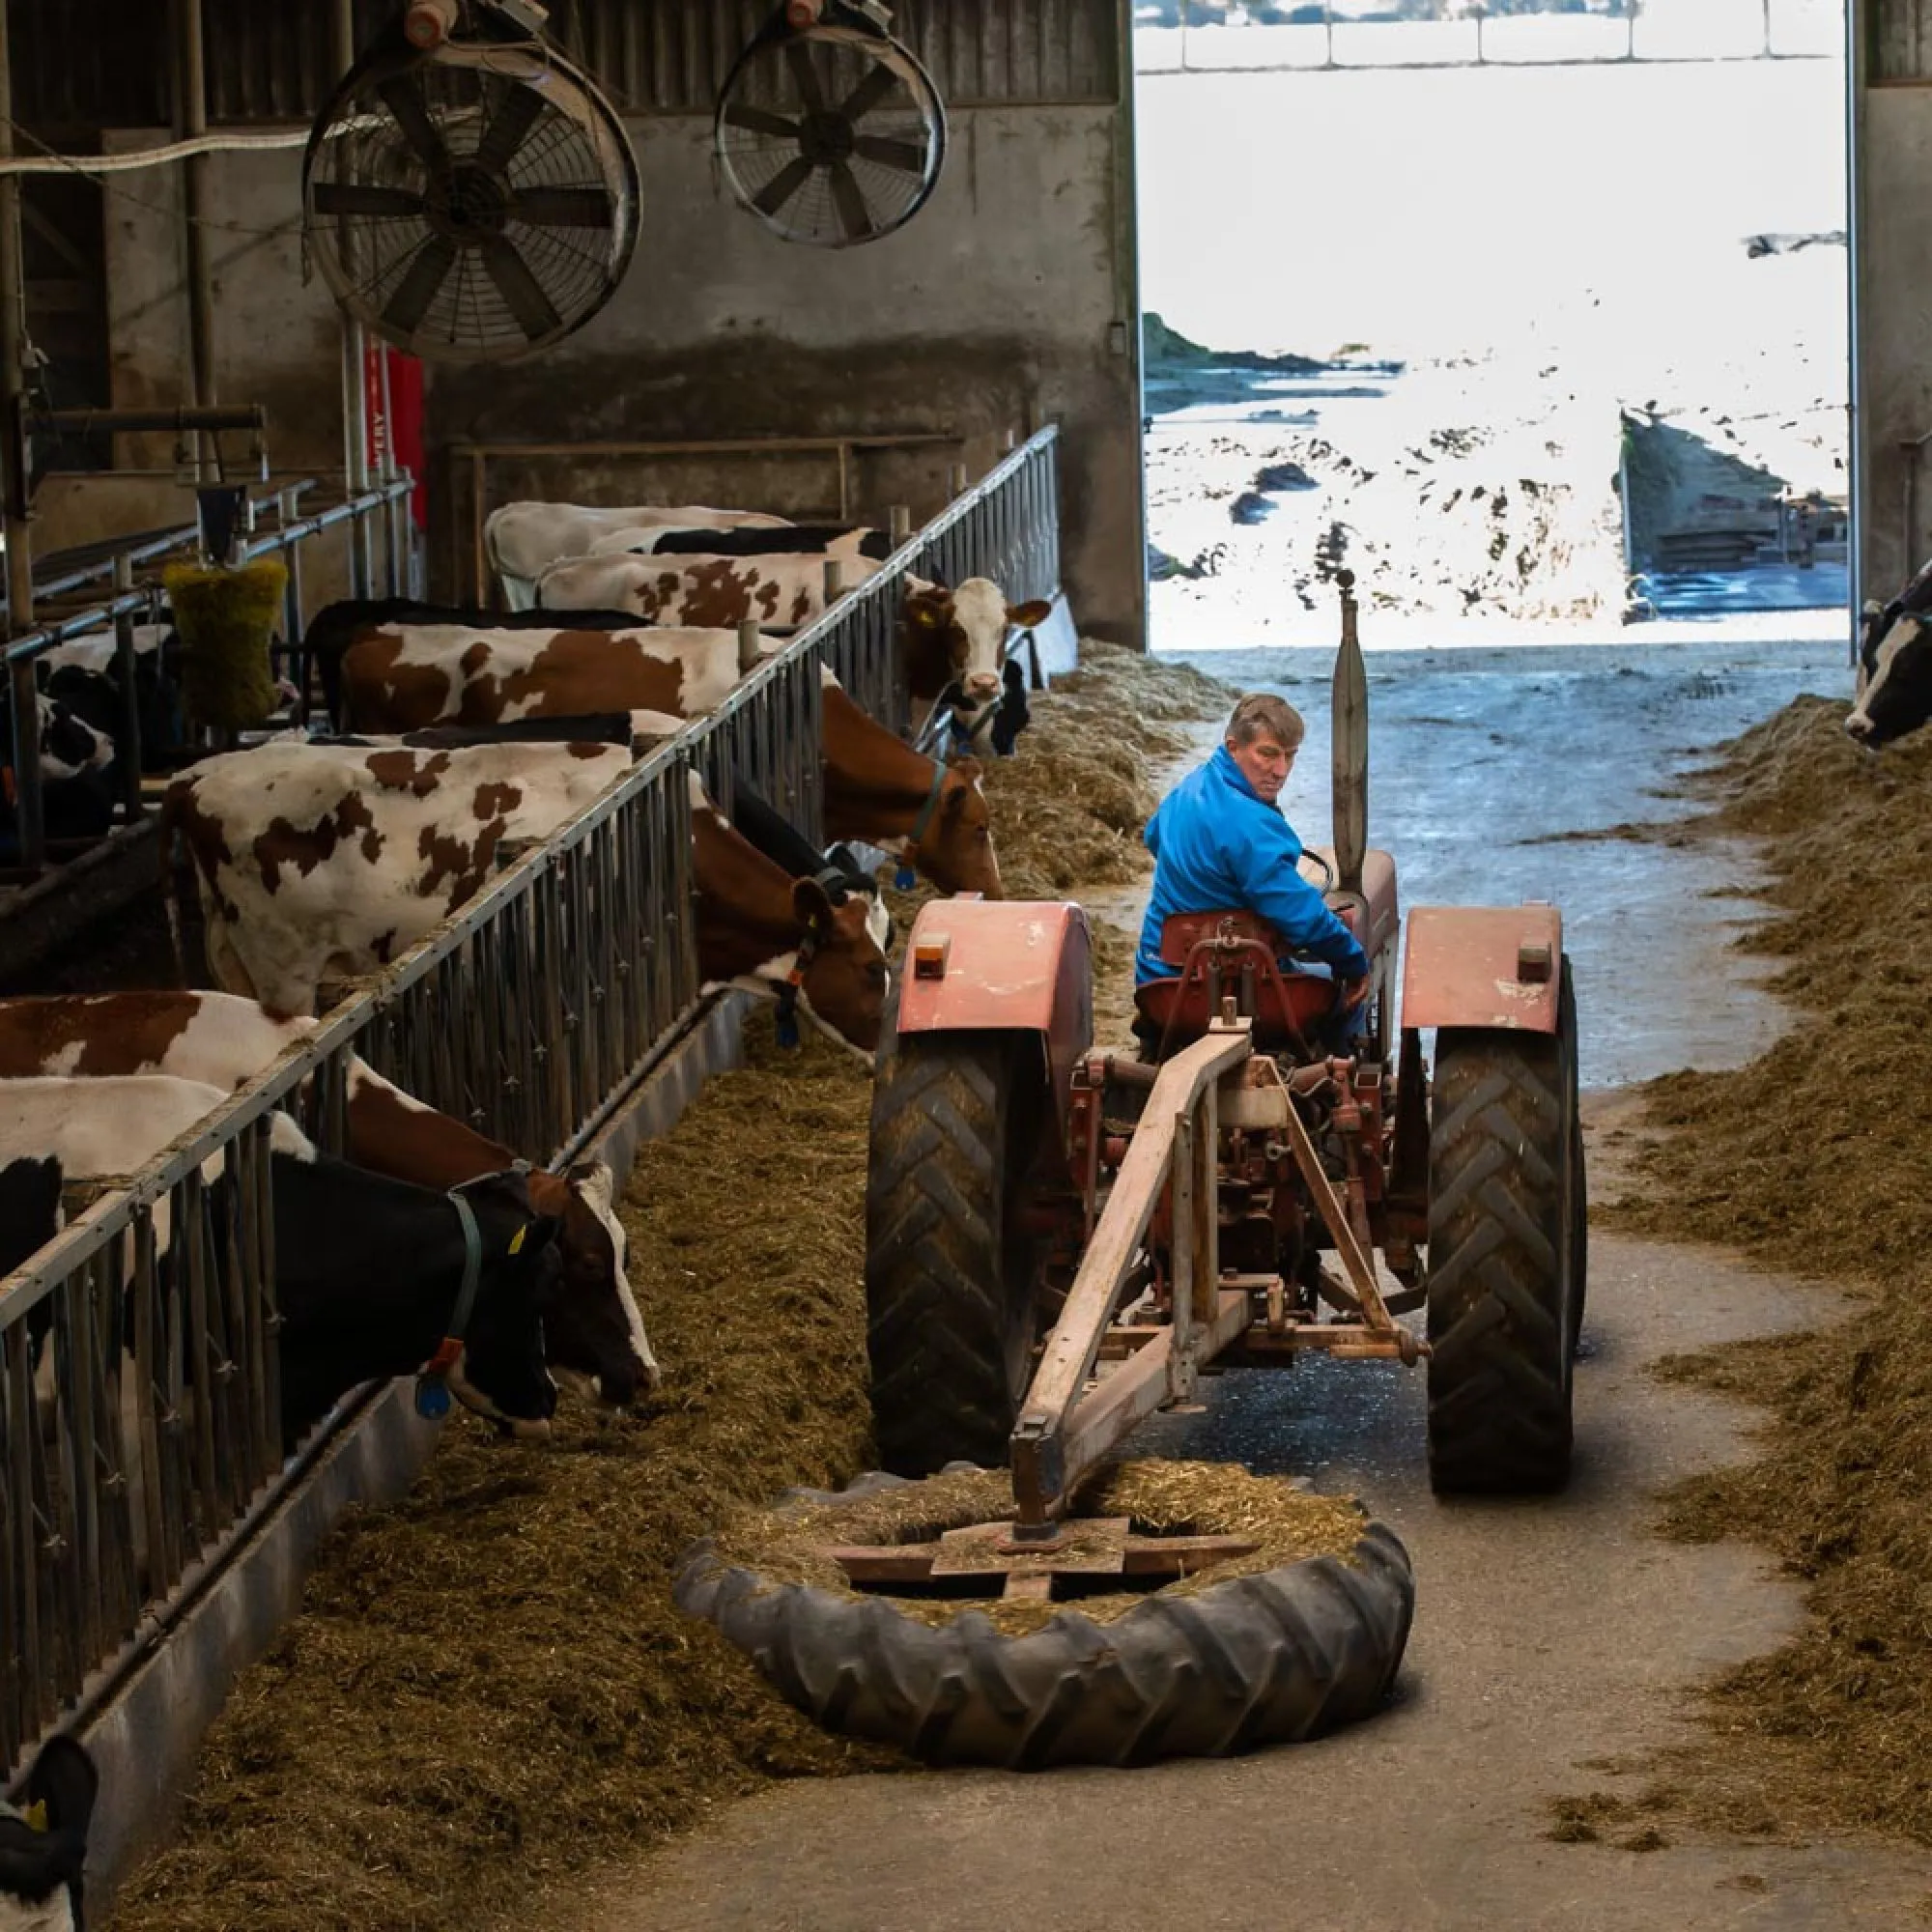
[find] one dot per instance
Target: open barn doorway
(1533, 313)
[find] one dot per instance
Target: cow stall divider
(139, 1392)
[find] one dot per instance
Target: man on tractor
(1221, 844)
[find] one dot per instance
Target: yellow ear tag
(517, 1241)
(35, 1815)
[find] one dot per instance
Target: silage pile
(1160, 1498)
(488, 1684)
(1816, 1158)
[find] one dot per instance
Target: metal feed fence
(127, 603)
(139, 1388)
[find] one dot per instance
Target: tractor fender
(975, 965)
(1483, 966)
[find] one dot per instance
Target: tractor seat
(1217, 954)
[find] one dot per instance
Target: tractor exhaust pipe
(1350, 747)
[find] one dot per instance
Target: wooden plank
(1350, 759)
(1075, 1342)
(1141, 1556)
(1093, 1545)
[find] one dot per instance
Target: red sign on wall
(404, 422)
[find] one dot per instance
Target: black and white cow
(77, 774)
(30, 1208)
(830, 541)
(1894, 666)
(85, 675)
(43, 1843)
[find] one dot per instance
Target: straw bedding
(1815, 1159)
(488, 1686)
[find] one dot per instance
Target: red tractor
(1059, 1238)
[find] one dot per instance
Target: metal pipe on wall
(191, 123)
(24, 687)
(355, 360)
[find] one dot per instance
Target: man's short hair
(1262, 711)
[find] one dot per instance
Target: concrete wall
(1893, 240)
(1008, 302)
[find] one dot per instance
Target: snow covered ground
(1536, 246)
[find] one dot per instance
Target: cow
(354, 873)
(1895, 690)
(642, 732)
(594, 1336)
(782, 938)
(43, 1843)
(524, 539)
(30, 1209)
(336, 626)
(417, 676)
(770, 831)
(954, 645)
(879, 791)
(84, 673)
(845, 544)
(321, 861)
(780, 593)
(78, 772)
(370, 1273)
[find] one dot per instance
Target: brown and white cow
(879, 790)
(318, 862)
(524, 539)
(876, 790)
(780, 593)
(955, 642)
(403, 677)
(342, 883)
(781, 937)
(594, 1336)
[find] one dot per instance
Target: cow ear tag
(517, 1241)
(905, 879)
(432, 1398)
(35, 1816)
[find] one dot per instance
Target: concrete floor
(1550, 1636)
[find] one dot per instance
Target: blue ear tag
(788, 1032)
(904, 879)
(432, 1398)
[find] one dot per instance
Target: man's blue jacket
(1219, 845)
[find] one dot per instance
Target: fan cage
(779, 140)
(472, 205)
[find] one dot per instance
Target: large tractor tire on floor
(1506, 1225)
(951, 1277)
(1288, 1654)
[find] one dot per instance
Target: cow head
(838, 973)
(594, 1334)
(44, 1846)
(971, 626)
(1895, 693)
(955, 849)
(503, 1373)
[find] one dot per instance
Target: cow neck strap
(788, 987)
(433, 1377)
(904, 879)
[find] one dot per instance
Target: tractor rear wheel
(951, 1275)
(1505, 1256)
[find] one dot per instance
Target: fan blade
(417, 289)
(561, 206)
(869, 92)
(384, 204)
(535, 316)
(799, 54)
(412, 117)
(508, 126)
(853, 215)
(907, 156)
(760, 121)
(781, 186)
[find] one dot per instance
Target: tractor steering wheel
(1327, 871)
